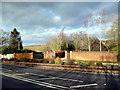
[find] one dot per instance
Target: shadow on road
(111, 81)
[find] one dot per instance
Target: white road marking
(58, 78)
(35, 82)
(27, 73)
(83, 85)
(44, 83)
(19, 74)
(45, 78)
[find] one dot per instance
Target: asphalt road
(33, 77)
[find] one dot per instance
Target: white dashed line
(35, 82)
(58, 78)
(19, 74)
(16, 76)
(45, 78)
(83, 85)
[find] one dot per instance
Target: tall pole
(100, 36)
(100, 43)
(88, 37)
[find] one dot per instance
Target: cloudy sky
(36, 21)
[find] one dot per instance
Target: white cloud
(57, 18)
(37, 21)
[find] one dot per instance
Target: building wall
(8, 56)
(99, 56)
(23, 55)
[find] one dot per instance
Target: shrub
(117, 49)
(70, 62)
(46, 61)
(52, 62)
(57, 60)
(99, 63)
(11, 59)
(24, 59)
(16, 60)
(26, 51)
(118, 57)
(4, 59)
(8, 50)
(33, 60)
(62, 63)
(40, 60)
(84, 64)
(91, 63)
(79, 63)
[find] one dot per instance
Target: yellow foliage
(57, 60)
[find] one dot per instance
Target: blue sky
(36, 21)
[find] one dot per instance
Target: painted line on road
(35, 82)
(58, 78)
(6, 69)
(19, 74)
(45, 78)
(83, 85)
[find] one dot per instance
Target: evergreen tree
(21, 46)
(15, 39)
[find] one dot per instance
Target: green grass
(87, 61)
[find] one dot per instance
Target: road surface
(33, 77)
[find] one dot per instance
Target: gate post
(70, 54)
(47, 55)
(54, 54)
(65, 54)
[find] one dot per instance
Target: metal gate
(38, 56)
(68, 55)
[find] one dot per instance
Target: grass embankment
(86, 61)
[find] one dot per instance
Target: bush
(26, 51)
(8, 50)
(57, 60)
(62, 63)
(70, 62)
(78, 62)
(46, 61)
(52, 62)
(11, 50)
(40, 60)
(4, 59)
(24, 59)
(16, 60)
(91, 63)
(33, 60)
(117, 49)
(11, 59)
(99, 63)
(118, 57)
(84, 64)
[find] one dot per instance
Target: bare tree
(79, 40)
(4, 37)
(101, 21)
(87, 25)
(55, 42)
(112, 34)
